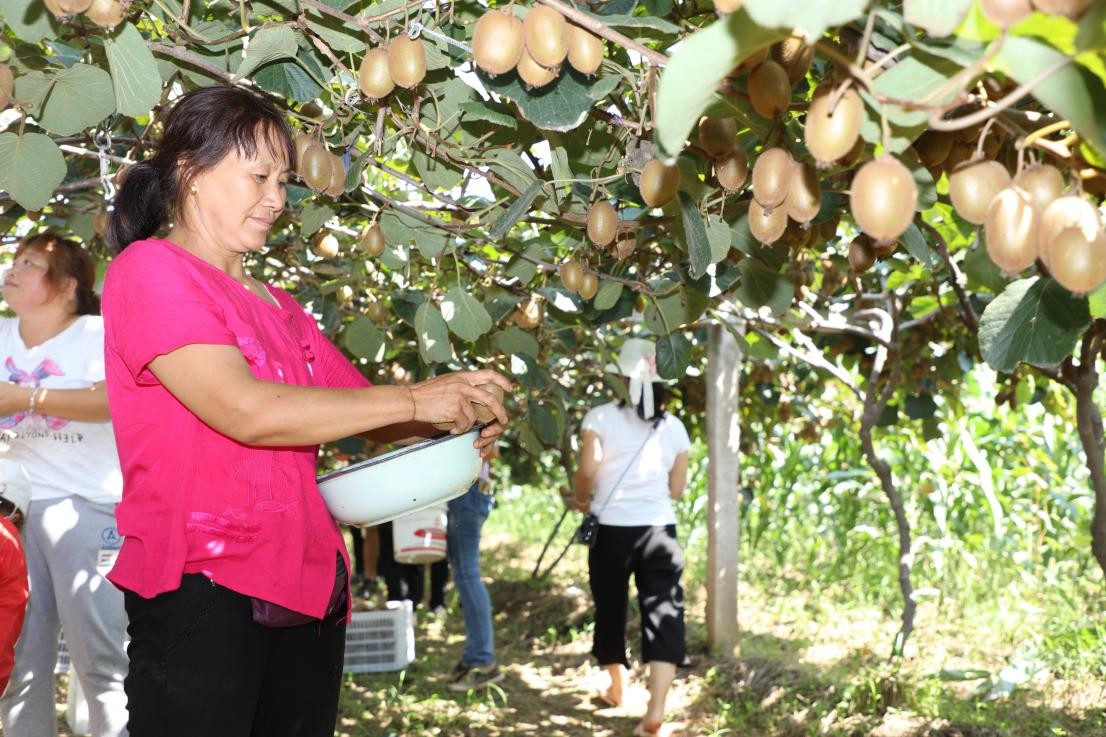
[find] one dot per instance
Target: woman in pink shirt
(221, 389)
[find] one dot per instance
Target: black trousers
(407, 580)
(656, 561)
(200, 665)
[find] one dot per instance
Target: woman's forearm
(82, 405)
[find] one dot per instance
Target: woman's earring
(192, 188)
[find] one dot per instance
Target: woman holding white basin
(234, 572)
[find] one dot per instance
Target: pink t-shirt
(195, 501)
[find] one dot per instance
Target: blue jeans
(466, 517)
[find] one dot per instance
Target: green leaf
(522, 269)
(466, 317)
(69, 101)
(911, 78)
(433, 334)
(515, 341)
(637, 21)
(1096, 301)
(936, 17)
(337, 35)
(31, 168)
(699, 65)
(30, 21)
(608, 294)
(133, 72)
(490, 112)
(312, 217)
(673, 355)
(515, 212)
(762, 286)
(719, 235)
(667, 314)
(510, 167)
(287, 79)
(915, 244)
(560, 105)
(365, 341)
(814, 17)
(1035, 321)
(434, 173)
(981, 270)
(695, 233)
(268, 44)
(544, 418)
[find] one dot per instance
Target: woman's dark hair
(65, 259)
(660, 398)
(202, 127)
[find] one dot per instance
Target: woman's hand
(449, 399)
(581, 505)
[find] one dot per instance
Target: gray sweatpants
(69, 544)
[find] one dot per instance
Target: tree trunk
(1089, 425)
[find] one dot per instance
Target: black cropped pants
(656, 561)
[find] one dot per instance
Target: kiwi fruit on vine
(883, 249)
(528, 315)
(572, 275)
(105, 13)
(483, 414)
(533, 74)
(344, 294)
(1043, 183)
(54, 7)
(933, 147)
(100, 222)
(336, 185)
(717, 136)
(311, 110)
(7, 86)
(752, 61)
(1077, 259)
(602, 222)
(624, 248)
(406, 61)
(794, 56)
(804, 194)
(545, 35)
(325, 245)
(585, 50)
(589, 285)
(883, 197)
(372, 240)
(827, 229)
(732, 169)
(795, 234)
(72, 7)
(862, 255)
(376, 311)
(373, 78)
(727, 6)
(659, 183)
(1071, 211)
(1073, 9)
(315, 167)
(302, 142)
(772, 174)
(497, 41)
(769, 89)
(831, 134)
(959, 153)
(973, 185)
(1011, 230)
(766, 225)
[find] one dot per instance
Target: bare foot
(608, 697)
(648, 728)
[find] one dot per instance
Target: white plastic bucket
(419, 537)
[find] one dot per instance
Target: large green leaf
(608, 294)
(1035, 321)
(515, 341)
(911, 78)
(560, 105)
(434, 173)
(490, 112)
(31, 168)
(464, 314)
(671, 312)
(133, 72)
(936, 17)
(695, 233)
(433, 334)
(698, 66)
(762, 286)
(312, 217)
(673, 355)
(364, 340)
(517, 211)
(30, 21)
(813, 17)
(637, 21)
(70, 100)
(287, 79)
(268, 44)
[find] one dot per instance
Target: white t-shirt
(641, 497)
(62, 457)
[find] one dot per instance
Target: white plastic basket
(381, 640)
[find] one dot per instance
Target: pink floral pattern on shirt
(253, 351)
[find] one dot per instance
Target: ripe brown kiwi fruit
(483, 414)
(545, 35)
(572, 275)
(373, 78)
(585, 50)
(406, 61)
(589, 285)
(1006, 13)
(316, 166)
(7, 86)
(769, 89)
(882, 197)
(528, 315)
(1011, 230)
(933, 147)
(828, 228)
(100, 222)
(54, 7)
(767, 226)
(105, 13)
(831, 135)
(532, 73)
(376, 311)
(325, 245)
(1043, 183)
(794, 56)
(302, 142)
(71, 7)
(804, 194)
(732, 169)
(337, 184)
(883, 249)
(602, 222)
(717, 136)
(752, 61)
(727, 6)
(772, 173)
(497, 41)
(624, 248)
(1077, 259)
(1073, 9)
(372, 240)
(659, 183)
(1071, 211)
(862, 255)
(973, 185)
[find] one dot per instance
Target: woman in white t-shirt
(54, 418)
(633, 463)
